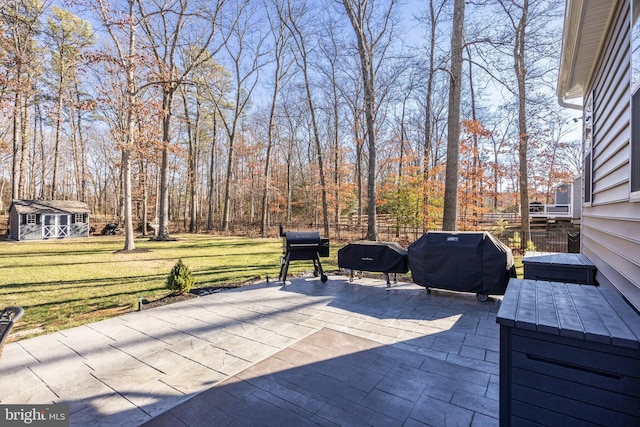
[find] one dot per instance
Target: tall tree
(280, 41)
(449, 220)
(292, 18)
(121, 25)
(20, 20)
(520, 69)
(332, 56)
(192, 106)
(165, 27)
(217, 84)
(70, 37)
(526, 30)
(432, 21)
(373, 28)
(244, 48)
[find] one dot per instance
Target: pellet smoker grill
(303, 246)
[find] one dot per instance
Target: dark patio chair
(8, 318)
(110, 229)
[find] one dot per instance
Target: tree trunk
(433, 24)
(520, 70)
(358, 170)
(58, 134)
(163, 226)
(16, 148)
(83, 151)
(24, 145)
(302, 50)
(212, 174)
(226, 210)
(358, 17)
(267, 160)
(129, 243)
(193, 160)
(145, 195)
(369, 102)
(449, 220)
(36, 181)
(316, 137)
(336, 158)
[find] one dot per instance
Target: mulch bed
(194, 293)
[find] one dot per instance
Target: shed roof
(585, 28)
(49, 206)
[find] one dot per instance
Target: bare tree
(519, 66)
(165, 27)
(280, 41)
(449, 220)
(351, 93)
(432, 21)
(80, 107)
(193, 119)
(526, 30)
(70, 37)
(244, 49)
(332, 56)
(21, 25)
(373, 38)
(292, 17)
(125, 45)
(500, 134)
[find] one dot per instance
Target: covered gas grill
(303, 246)
(376, 257)
(464, 261)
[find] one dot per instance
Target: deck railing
(545, 211)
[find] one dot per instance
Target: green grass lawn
(517, 261)
(66, 283)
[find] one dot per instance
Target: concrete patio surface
(304, 353)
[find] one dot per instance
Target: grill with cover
(463, 261)
(303, 246)
(379, 257)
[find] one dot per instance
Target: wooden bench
(569, 355)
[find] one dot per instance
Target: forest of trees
(227, 114)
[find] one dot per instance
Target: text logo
(35, 415)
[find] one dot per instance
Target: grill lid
(294, 239)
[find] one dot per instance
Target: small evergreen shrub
(180, 279)
(516, 242)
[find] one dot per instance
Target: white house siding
(611, 223)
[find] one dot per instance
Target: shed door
(55, 226)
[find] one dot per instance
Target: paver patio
(306, 353)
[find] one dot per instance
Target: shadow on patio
(337, 353)
(333, 378)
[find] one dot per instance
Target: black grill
(382, 257)
(462, 261)
(303, 246)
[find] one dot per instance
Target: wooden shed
(48, 219)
